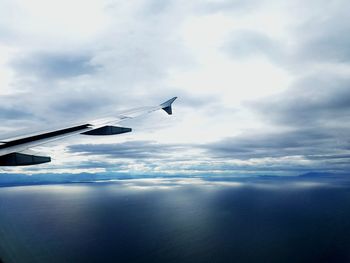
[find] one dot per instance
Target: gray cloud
(129, 150)
(278, 144)
(310, 119)
(315, 101)
(310, 122)
(157, 7)
(319, 101)
(54, 65)
(15, 116)
(312, 115)
(13, 113)
(323, 34)
(294, 151)
(302, 150)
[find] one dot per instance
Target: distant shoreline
(247, 179)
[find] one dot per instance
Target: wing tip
(166, 106)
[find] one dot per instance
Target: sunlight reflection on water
(177, 220)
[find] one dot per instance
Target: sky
(262, 86)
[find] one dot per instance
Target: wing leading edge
(14, 152)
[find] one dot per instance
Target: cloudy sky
(263, 86)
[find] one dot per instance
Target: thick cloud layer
(263, 86)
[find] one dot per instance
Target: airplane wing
(15, 151)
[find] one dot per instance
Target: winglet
(166, 106)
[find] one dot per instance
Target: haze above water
(177, 220)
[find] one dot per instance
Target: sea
(177, 220)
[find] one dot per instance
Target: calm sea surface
(176, 220)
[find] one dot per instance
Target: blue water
(177, 220)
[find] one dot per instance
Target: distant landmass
(8, 179)
(319, 174)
